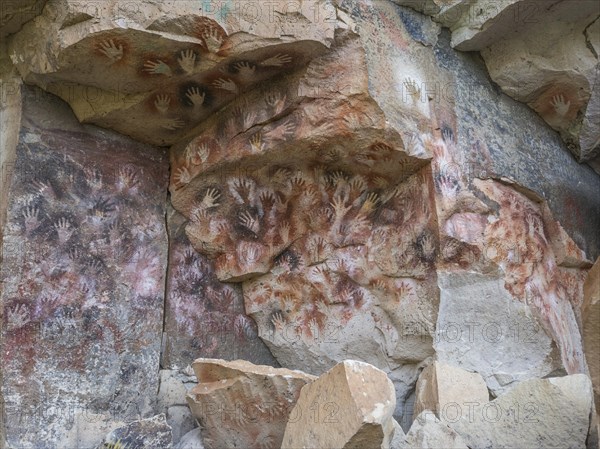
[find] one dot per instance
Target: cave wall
(332, 183)
(84, 256)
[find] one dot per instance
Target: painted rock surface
(84, 256)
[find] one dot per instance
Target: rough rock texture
(171, 401)
(10, 123)
(493, 220)
(549, 413)
(13, 14)
(347, 185)
(397, 440)
(591, 327)
(482, 328)
(543, 53)
(153, 70)
(203, 317)
(297, 196)
(238, 404)
(350, 406)
(428, 432)
(445, 389)
(192, 440)
(84, 252)
(150, 433)
(562, 89)
(300, 199)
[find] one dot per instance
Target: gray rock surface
(149, 433)
(191, 440)
(428, 432)
(549, 413)
(84, 259)
(481, 328)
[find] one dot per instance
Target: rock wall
(340, 183)
(299, 199)
(84, 252)
(542, 53)
(203, 316)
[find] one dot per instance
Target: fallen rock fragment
(239, 404)
(350, 406)
(449, 391)
(191, 440)
(548, 413)
(428, 432)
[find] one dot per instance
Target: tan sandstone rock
(239, 404)
(350, 406)
(449, 391)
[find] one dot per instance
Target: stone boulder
(191, 440)
(428, 432)
(239, 404)
(350, 407)
(549, 413)
(449, 391)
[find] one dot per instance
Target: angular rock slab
(549, 413)
(350, 406)
(428, 432)
(482, 328)
(84, 260)
(155, 70)
(552, 66)
(239, 404)
(448, 390)
(203, 316)
(264, 171)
